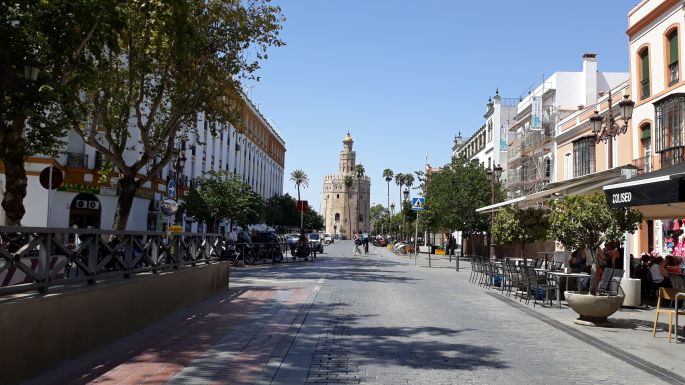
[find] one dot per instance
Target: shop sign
(661, 192)
(79, 188)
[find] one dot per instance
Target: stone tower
(346, 208)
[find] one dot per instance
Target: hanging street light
(612, 129)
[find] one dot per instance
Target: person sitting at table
(672, 264)
(577, 262)
(659, 273)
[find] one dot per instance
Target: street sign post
(417, 204)
(171, 189)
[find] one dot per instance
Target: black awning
(660, 187)
(663, 190)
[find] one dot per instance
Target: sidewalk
(241, 336)
(630, 330)
(629, 337)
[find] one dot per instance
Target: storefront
(660, 196)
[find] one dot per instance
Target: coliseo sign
(624, 197)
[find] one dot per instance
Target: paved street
(375, 319)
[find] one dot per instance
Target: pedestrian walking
(365, 242)
(357, 243)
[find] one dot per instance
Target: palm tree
(359, 172)
(299, 178)
(399, 181)
(388, 174)
(409, 181)
(348, 185)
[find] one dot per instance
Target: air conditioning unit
(93, 205)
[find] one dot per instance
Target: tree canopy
(48, 50)
(130, 77)
(586, 221)
(520, 225)
(220, 196)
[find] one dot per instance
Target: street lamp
(494, 173)
(612, 129)
(178, 169)
(405, 193)
(392, 208)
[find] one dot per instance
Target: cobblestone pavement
(371, 319)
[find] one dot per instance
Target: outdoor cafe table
(560, 274)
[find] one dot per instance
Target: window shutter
(673, 47)
(646, 132)
(645, 65)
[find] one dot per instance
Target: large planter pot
(593, 309)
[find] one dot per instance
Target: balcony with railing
(672, 156)
(77, 159)
(643, 164)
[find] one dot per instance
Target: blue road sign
(417, 203)
(171, 189)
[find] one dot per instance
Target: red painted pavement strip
(160, 350)
(246, 366)
(186, 344)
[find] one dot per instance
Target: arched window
(672, 56)
(337, 216)
(643, 71)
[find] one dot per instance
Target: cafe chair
(669, 295)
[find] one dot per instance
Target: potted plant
(586, 222)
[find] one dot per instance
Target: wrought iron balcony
(672, 156)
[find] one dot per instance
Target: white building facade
(257, 155)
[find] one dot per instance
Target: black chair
(536, 286)
(604, 285)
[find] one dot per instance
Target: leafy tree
(520, 225)
(168, 62)
(454, 193)
(313, 221)
(387, 175)
(586, 221)
(48, 50)
(348, 184)
(300, 179)
(281, 211)
(222, 195)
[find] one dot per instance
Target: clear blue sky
(404, 76)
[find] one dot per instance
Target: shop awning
(658, 194)
(585, 183)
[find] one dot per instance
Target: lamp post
(405, 195)
(178, 169)
(392, 213)
(493, 173)
(612, 129)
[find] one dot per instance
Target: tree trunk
(127, 191)
(594, 281)
(13, 152)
